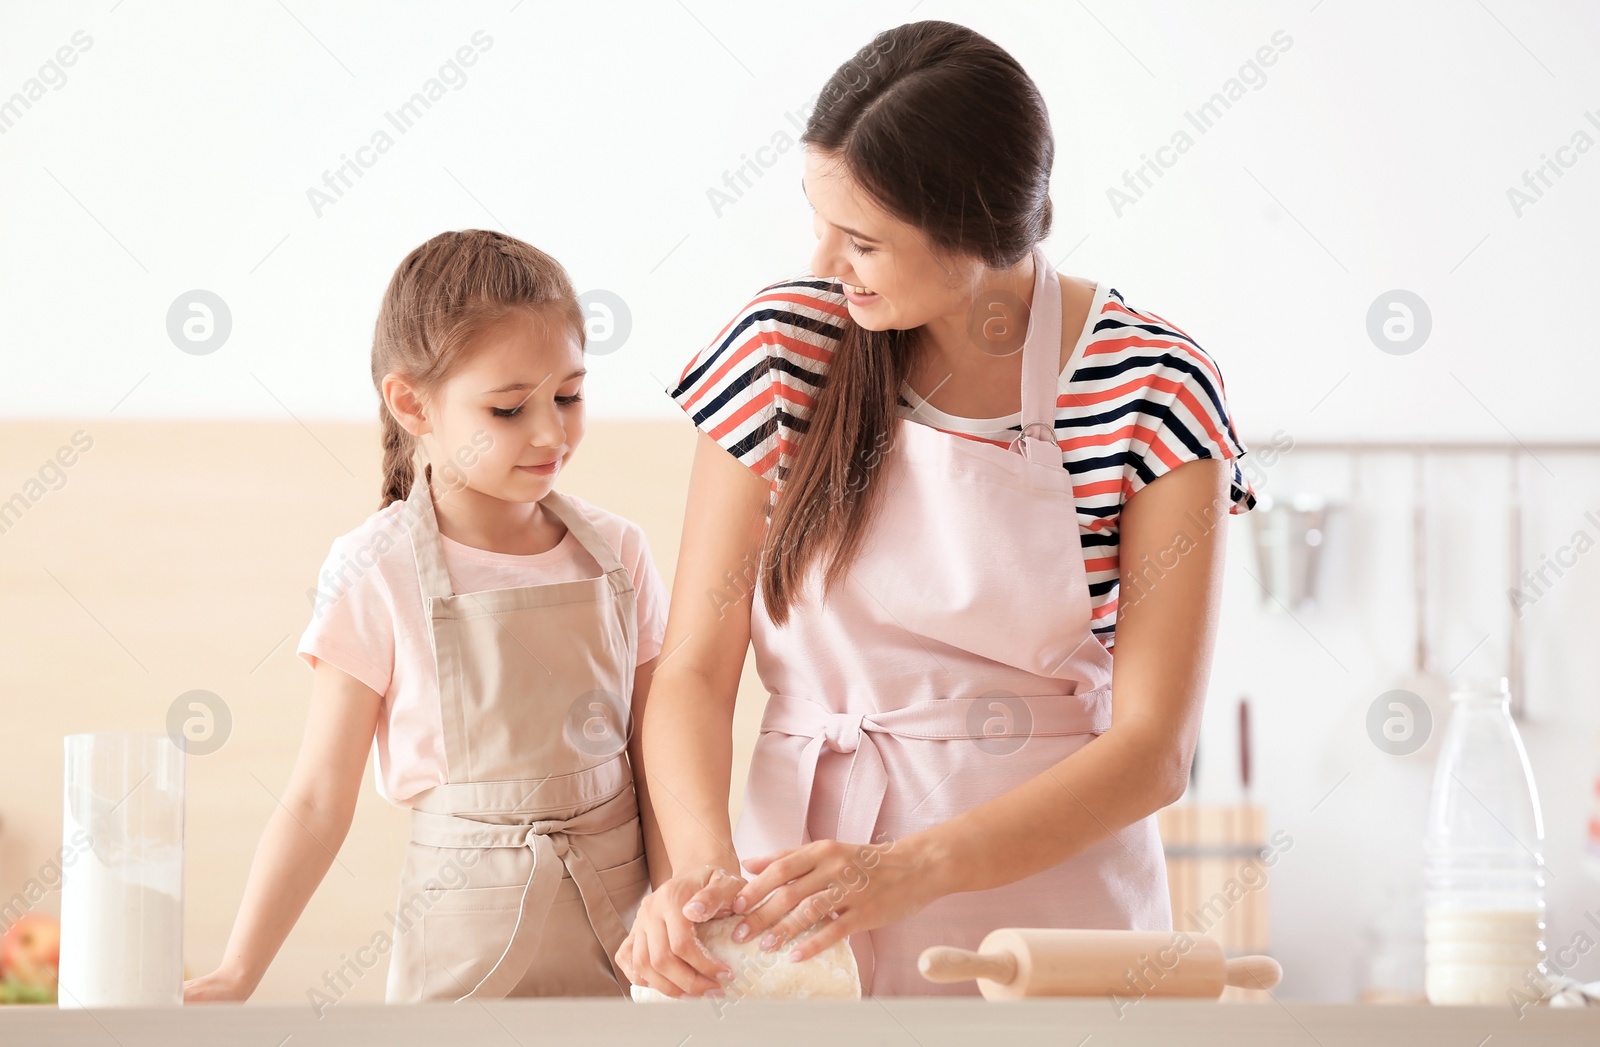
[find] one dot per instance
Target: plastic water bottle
(1484, 921)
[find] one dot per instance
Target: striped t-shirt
(1137, 398)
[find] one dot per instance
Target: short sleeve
(752, 388)
(351, 626)
(1183, 416)
(651, 604)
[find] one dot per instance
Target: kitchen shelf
(1432, 447)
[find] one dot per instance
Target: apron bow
(554, 857)
(841, 732)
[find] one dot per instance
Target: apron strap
(1041, 367)
(424, 526)
(592, 540)
(583, 530)
(553, 846)
(941, 719)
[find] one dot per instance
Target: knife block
(1216, 879)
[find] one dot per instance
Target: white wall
(1376, 153)
(1356, 814)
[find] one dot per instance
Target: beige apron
(526, 866)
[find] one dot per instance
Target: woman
(935, 580)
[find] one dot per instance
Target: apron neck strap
(1041, 366)
(583, 530)
(431, 573)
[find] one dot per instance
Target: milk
(122, 892)
(1484, 874)
(1482, 956)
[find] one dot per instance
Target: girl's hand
(661, 950)
(220, 986)
(839, 888)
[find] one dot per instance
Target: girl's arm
(303, 833)
(655, 850)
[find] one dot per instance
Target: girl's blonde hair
(443, 295)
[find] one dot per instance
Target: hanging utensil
(1288, 544)
(1514, 636)
(1244, 747)
(1424, 682)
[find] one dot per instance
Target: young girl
(497, 636)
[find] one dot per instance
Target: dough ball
(757, 974)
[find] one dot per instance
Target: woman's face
(865, 247)
(507, 420)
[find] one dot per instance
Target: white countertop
(912, 1021)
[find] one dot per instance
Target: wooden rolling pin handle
(942, 963)
(1252, 972)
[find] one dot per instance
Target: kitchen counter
(913, 1021)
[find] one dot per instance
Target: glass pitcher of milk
(1484, 922)
(122, 898)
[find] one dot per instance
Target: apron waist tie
(553, 848)
(940, 719)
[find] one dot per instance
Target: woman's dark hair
(944, 130)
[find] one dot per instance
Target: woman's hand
(220, 986)
(840, 888)
(661, 950)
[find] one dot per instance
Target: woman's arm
(687, 726)
(1169, 589)
(684, 750)
(303, 833)
(1171, 572)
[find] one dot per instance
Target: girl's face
(509, 417)
(866, 248)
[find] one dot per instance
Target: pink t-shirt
(368, 620)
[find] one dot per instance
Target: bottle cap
(1481, 688)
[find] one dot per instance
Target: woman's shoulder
(1145, 397)
(1128, 341)
(788, 325)
(803, 303)
(752, 385)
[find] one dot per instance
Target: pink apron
(953, 662)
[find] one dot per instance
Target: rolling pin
(1013, 962)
